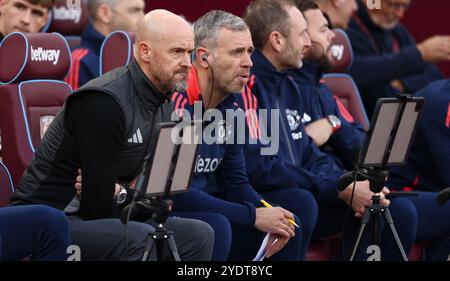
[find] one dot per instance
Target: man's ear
(144, 51)
(276, 40)
(337, 3)
(104, 14)
(201, 56)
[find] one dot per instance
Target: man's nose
(25, 18)
(331, 35)
(307, 41)
(247, 61)
(186, 61)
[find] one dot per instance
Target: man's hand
(117, 189)
(274, 220)
(435, 49)
(320, 131)
(362, 197)
(397, 84)
(281, 242)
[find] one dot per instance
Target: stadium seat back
(69, 18)
(342, 52)
(31, 93)
(116, 50)
(344, 88)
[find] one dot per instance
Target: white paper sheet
(262, 252)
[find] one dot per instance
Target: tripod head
(375, 176)
(156, 208)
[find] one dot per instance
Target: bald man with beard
(94, 133)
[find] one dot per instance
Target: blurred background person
(394, 62)
(106, 16)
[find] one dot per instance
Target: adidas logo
(137, 137)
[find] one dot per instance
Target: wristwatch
(122, 195)
(335, 122)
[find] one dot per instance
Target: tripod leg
(160, 249)
(148, 247)
(376, 230)
(390, 222)
(172, 246)
(364, 220)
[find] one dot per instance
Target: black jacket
(135, 106)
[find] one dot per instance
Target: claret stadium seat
(69, 20)
(342, 85)
(116, 50)
(31, 93)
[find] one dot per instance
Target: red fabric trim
(69, 78)
(247, 112)
(344, 112)
(251, 82)
(255, 103)
(193, 89)
(74, 77)
(174, 96)
(177, 104)
(415, 183)
(447, 122)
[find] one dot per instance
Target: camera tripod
(158, 209)
(373, 212)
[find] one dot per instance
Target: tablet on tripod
(170, 168)
(393, 127)
(388, 143)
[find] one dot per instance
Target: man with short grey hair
(220, 193)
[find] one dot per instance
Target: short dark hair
(45, 3)
(265, 16)
(306, 5)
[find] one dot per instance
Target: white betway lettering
(206, 165)
(337, 51)
(40, 54)
(64, 13)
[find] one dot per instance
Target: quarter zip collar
(266, 71)
(309, 72)
(194, 95)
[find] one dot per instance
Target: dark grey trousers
(109, 239)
